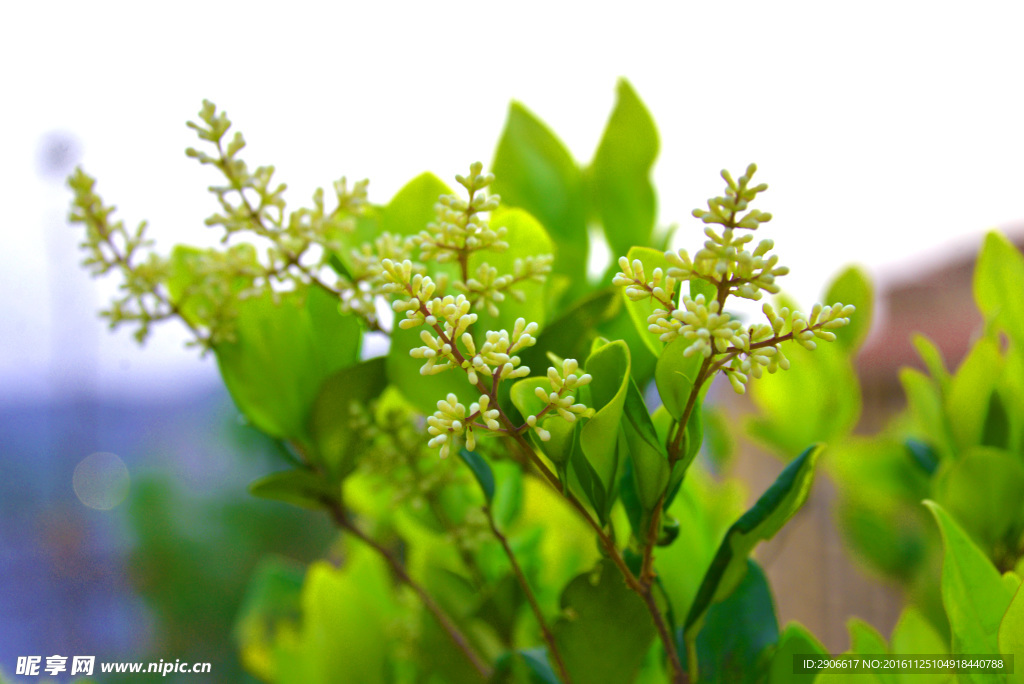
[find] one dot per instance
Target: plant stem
(446, 623)
(549, 638)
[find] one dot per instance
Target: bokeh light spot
(101, 480)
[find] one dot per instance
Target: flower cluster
(459, 227)
(726, 263)
(557, 400)
(453, 419)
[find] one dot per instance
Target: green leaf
(795, 640)
(639, 311)
(984, 491)
(853, 286)
(997, 278)
(933, 361)
(298, 487)
(693, 439)
(775, 507)
(481, 471)
(923, 455)
(599, 438)
(620, 174)
(330, 425)
(536, 660)
(346, 617)
(816, 400)
(526, 238)
(969, 392)
(605, 629)
(272, 600)
(534, 171)
(282, 356)
(1011, 633)
(915, 635)
(570, 335)
(996, 431)
(412, 207)
(973, 593)
(734, 644)
(675, 375)
(926, 406)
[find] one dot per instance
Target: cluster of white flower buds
(452, 419)
(632, 276)
(459, 228)
(498, 353)
(725, 262)
(488, 289)
(558, 400)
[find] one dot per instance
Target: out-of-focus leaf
(795, 640)
(997, 278)
(1011, 634)
(970, 390)
(853, 286)
(412, 207)
(534, 171)
(620, 173)
(271, 602)
(984, 491)
(298, 487)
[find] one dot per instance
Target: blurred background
(890, 134)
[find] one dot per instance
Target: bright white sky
(889, 131)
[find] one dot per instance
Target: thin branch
(549, 638)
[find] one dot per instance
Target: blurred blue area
(158, 576)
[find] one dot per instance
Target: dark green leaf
(534, 171)
(570, 335)
(996, 432)
(605, 630)
(620, 173)
(775, 507)
(734, 645)
(298, 487)
(481, 471)
(536, 660)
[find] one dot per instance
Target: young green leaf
(1011, 634)
(973, 593)
(621, 187)
(676, 375)
(775, 507)
(795, 640)
(412, 207)
(599, 439)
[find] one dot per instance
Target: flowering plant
(485, 565)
